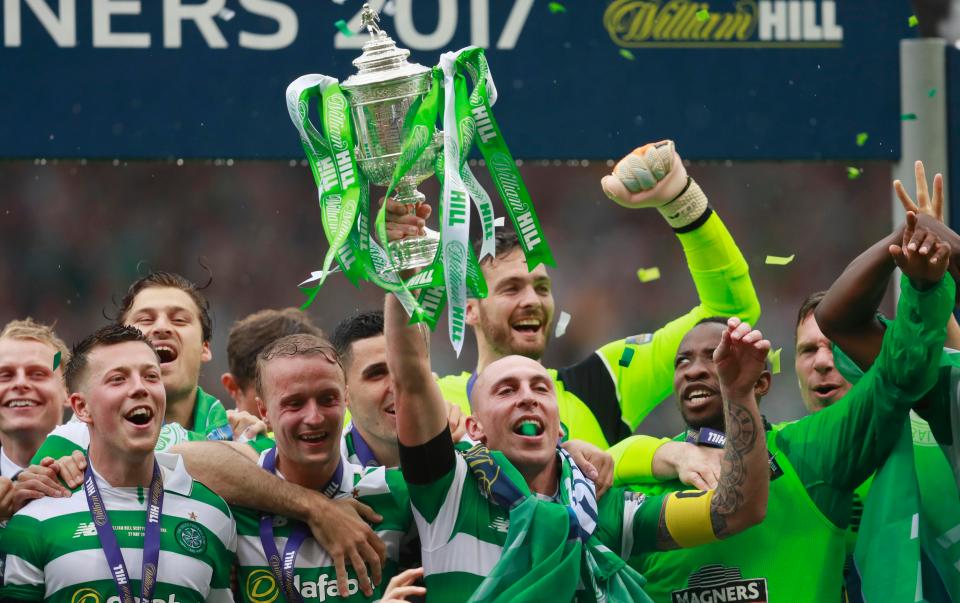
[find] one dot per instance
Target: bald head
(506, 369)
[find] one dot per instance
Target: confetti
(908, 117)
(862, 138)
(339, 1)
(774, 358)
(853, 173)
(562, 323)
(316, 275)
(626, 54)
(912, 21)
(626, 358)
(556, 7)
(56, 360)
(342, 26)
(226, 14)
(777, 260)
(499, 222)
(932, 92)
(648, 274)
(703, 15)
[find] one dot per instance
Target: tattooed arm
(740, 500)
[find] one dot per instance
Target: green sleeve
(642, 367)
(56, 446)
(936, 406)
(262, 442)
(25, 551)
(633, 459)
(834, 450)
(645, 516)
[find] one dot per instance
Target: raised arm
(230, 470)
(688, 519)
(641, 368)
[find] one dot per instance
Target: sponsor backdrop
(728, 79)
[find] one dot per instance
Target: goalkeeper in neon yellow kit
(604, 398)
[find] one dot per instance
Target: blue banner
(578, 79)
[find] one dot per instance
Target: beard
(500, 337)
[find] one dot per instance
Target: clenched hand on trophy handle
(405, 220)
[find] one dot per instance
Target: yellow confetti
(626, 54)
(648, 274)
(774, 358)
(779, 260)
(862, 138)
(853, 173)
(703, 15)
(913, 21)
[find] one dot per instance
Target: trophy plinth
(380, 94)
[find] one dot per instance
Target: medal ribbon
(711, 438)
(364, 453)
(108, 540)
(283, 568)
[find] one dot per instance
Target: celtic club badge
(191, 537)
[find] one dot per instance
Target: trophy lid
(381, 60)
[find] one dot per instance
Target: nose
(823, 360)
(20, 381)
(313, 414)
(161, 326)
(139, 388)
(695, 370)
(529, 297)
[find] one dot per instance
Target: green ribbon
(500, 163)
(337, 201)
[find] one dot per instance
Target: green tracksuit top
(605, 397)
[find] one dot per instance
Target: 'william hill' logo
(745, 23)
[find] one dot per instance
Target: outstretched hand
(924, 205)
(740, 357)
(922, 255)
(649, 176)
(405, 219)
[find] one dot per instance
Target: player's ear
(762, 388)
(78, 402)
(475, 430)
(473, 313)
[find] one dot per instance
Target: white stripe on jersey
(464, 553)
(438, 533)
(180, 570)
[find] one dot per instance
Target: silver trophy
(380, 95)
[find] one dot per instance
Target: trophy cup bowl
(380, 95)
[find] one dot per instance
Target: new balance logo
(85, 529)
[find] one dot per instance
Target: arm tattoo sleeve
(742, 430)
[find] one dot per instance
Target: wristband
(687, 207)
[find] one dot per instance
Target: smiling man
(301, 393)
(139, 515)
(821, 384)
(175, 317)
(33, 393)
(607, 395)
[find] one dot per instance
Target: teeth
(527, 323)
(140, 412)
(699, 393)
(21, 403)
(313, 437)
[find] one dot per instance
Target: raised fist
(650, 176)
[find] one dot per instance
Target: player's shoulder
(178, 481)
(74, 432)
(49, 508)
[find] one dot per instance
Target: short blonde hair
(29, 329)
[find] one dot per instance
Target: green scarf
(551, 549)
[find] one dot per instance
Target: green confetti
(932, 92)
(913, 20)
(626, 54)
(908, 117)
(862, 138)
(703, 15)
(648, 274)
(627, 357)
(556, 8)
(56, 360)
(777, 260)
(774, 358)
(342, 26)
(853, 173)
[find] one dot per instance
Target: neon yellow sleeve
(633, 459)
(641, 366)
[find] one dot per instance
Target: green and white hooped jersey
(53, 552)
(75, 435)
(314, 574)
